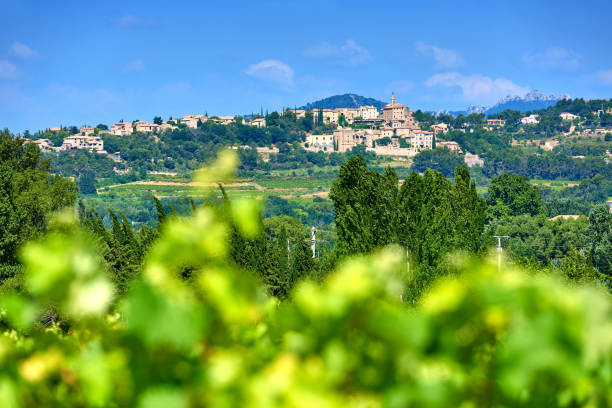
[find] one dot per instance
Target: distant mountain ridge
(532, 100)
(344, 101)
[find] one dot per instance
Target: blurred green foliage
(480, 339)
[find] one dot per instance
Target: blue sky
(85, 62)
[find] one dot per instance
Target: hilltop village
(392, 131)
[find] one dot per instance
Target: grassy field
(282, 183)
(300, 187)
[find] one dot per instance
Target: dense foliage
(28, 193)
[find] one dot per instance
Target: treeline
(428, 216)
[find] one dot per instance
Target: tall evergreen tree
(599, 237)
(469, 212)
(364, 202)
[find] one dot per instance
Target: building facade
(121, 129)
(316, 143)
(91, 143)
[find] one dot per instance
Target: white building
(367, 112)
(317, 143)
(421, 140)
(258, 122)
(568, 116)
(530, 120)
(472, 160)
(91, 143)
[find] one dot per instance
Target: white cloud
(21, 50)
(8, 70)
(476, 87)
(347, 53)
(553, 58)
(134, 66)
(131, 20)
(604, 77)
(444, 58)
(272, 71)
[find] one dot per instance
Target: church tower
(392, 98)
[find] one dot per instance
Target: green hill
(343, 101)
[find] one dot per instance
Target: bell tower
(392, 98)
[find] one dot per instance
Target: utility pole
(313, 240)
(499, 250)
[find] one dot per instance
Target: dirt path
(183, 184)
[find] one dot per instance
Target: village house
(472, 160)
(367, 112)
(121, 129)
(44, 145)
(145, 127)
(315, 143)
(91, 143)
(258, 122)
(392, 150)
(346, 139)
(86, 130)
(496, 122)
(266, 151)
(387, 132)
(55, 129)
(439, 128)
(349, 113)
(568, 116)
(329, 115)
(225, 120)
(421, 140)
(530, 120)
(299, 113)
(403, 131)
(191, 121)
(452, 146)
(166, 126)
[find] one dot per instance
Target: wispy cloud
(604, 77)
(476, 87)
(132, 20)
(21, 50)
(134, 66)
(274, 71)
(347, 53)
(444, 58)
(553, 58)
(8, 70)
